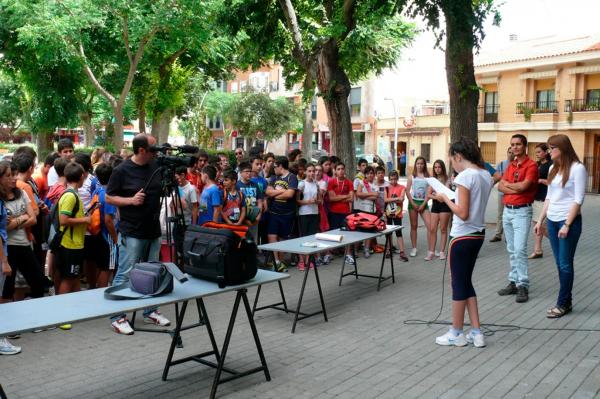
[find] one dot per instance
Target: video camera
(173, 156)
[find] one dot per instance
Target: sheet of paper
(438, 187)
(314, 244)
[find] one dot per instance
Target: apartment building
(267, 79)
(538, 88)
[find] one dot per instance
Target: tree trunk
(333, 83)
(44, 142)
(89, 133)
(460, 74)
(142, 119)
(307, 133)
(160, 125)
(118, 130)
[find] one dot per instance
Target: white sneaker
(367, 254)
(450, 339)
(476, 339)
(122, 326)
(157, 318)
(6, 348)
(437, 253)
(413, 252)
(349, 259)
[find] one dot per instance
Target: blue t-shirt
(262, 184)
(284, 207)
(211, 197)
(251, 191)
(105, 209)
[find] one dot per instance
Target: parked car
(371, 159)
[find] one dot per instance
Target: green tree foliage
(109, 39)
(463, 31)
(11, 96)
(256, 115)
(323, 44)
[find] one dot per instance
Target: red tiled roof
(543, 47)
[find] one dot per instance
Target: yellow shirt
(66, 205)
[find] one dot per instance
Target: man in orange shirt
(41, 176)
(193, 175)
(519, 185)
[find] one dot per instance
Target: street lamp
(395, 131)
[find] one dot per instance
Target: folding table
(80, 306)
(298, 246)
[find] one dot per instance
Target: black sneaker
(510, 289)
(496, 239)
(522, 295)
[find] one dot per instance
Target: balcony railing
(537, 107)
(581, 105)
(488, 113)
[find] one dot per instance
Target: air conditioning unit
(367, 127)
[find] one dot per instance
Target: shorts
(336, 220)
(281, 225)
(69, 262)
(418, 202)
(538, 206)
(98, 251)
(308, 224)
(395, 222)
(440, 207)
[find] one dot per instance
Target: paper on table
(438, 187)
(329, 237)
(314, 244)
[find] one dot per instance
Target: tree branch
(348, 13)
(134, 63)
(292, 25)
(170, 60)
(90, 74)
(125, 23)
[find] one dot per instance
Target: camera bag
(146, 280)
(219, 255)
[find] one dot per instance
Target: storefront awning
(539, 75)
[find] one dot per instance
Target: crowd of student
(276, 197)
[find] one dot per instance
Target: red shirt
(196, 181)
(343, 187)
(518, 172)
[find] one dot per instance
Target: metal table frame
(294, 247)
(90, 304)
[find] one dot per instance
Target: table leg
(306, 270)
(318, 286)
(2, 394)
(342, 272)
(392, 259)
(174, 340)
(263, 361)
(386, 247)
(204, 318)
(355, 261)
(282, 296)
(256, 299)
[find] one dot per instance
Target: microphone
(188, 149)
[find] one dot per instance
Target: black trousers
(22, 258)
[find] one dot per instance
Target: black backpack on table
(219, 255)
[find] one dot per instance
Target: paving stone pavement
(366, 350)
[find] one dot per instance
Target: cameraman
(135, 188)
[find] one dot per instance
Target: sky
(421, 74)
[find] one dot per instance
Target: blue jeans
(564, 253)
(517, 224)
(131, 251)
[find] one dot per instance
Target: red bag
(241, 231)
(361, 221)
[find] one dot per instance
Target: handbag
(147, 280)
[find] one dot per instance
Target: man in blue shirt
(253, 196)
(209, 207)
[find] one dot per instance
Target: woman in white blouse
(562, 208)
